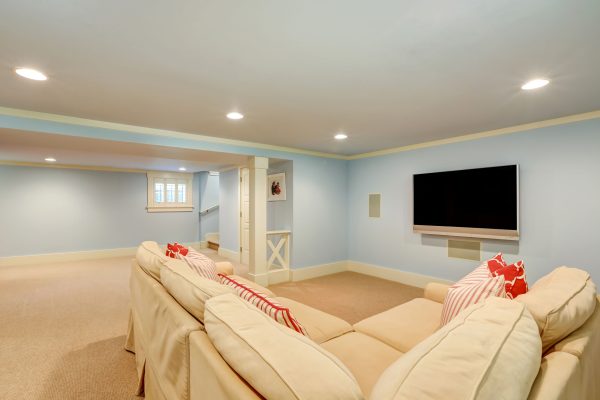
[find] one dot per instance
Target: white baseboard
(229, 254)
(279, 276)
(301, 274)
(396, 275)
(52, 258)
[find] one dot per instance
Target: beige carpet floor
(348, 295)
(63, 325)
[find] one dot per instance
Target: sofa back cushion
(560, 302)
(263, 302)
(490, 348)
(188, 288)
(276, 361)
(151, 258)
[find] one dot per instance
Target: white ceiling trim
(65, 119)
(480, 135)
(73, 166)
(190, 136)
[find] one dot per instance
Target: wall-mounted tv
(481, 203)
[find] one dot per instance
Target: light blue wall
(47, 210)
(209, 196)
(229, 210)
(559, 202)
(320, 223)
(280, 213)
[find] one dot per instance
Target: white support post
(258, 220)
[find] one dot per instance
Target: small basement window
(168, 192)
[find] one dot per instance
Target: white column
(258, 220)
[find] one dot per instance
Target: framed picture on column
(276, 187)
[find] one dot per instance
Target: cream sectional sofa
(223, 348)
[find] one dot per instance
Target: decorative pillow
(461, 295)
(277, 362)
(515, 280)
(560, 303)
(495, 263)
(175, 248)
(269, 306)
(490, 351)
(199, 263)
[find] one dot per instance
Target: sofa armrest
(436, 291)
(224, 267)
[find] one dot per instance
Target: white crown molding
(65, 119)
(212, 139)
(73, 166)
(480, 135)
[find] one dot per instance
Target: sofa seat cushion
(560, 302)
(492, 350)
(403, 326)
(364, 356)
(277, 362)
(319, 325)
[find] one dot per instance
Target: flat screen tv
(481, 203)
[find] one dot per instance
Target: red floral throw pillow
(175, 248)
(495, 263)
(515, 280)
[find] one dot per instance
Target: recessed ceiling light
(235, 115)
(182, 169)
(340, 136)
(30, 73)
(535, 84)
(50, 159)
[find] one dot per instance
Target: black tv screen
(480, 200)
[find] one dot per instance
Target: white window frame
(164, 177)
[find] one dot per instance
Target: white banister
(209, 209)
(279, 260)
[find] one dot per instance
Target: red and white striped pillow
(269, 306)
(199, 263)
(461, 296)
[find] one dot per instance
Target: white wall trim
(390, 274)
(480, 135)
(279, 276)
(396, 275)
(54, 258)
(229, 254)
(315, 271)
(13, 112)
(65, 119)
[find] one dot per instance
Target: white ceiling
(389, 73)
(33, 147)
